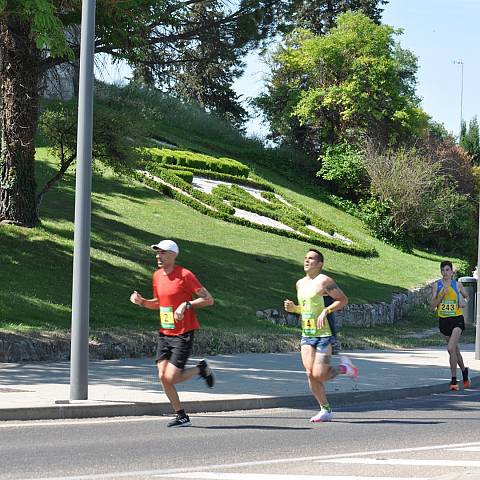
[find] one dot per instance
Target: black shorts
(446, 325)
(175, 348)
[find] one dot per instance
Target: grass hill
(245, 269)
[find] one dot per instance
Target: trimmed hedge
(228, 217)
(246, 181)
(296, 216)
(189, 159)
(171, 178)
(185, 175)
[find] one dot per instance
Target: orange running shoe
(454, 386)
(466, 381)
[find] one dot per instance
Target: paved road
(415, 438)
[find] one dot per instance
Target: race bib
(166, 318)
(309, 324)
(448, 308)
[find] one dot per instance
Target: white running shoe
(351, 369)
(322, 416)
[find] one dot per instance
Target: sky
(438, 32)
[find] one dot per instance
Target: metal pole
(461, 98)
(477, 316)
(460, 62)
(83, 190)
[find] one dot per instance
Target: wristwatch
(188, 305)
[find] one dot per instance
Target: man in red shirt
(176, 294)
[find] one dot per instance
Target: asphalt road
(427, 437)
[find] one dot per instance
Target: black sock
(454, 381)
(465, 374)
(181, 413)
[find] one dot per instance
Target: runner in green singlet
(316, 343)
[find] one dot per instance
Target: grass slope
(245, 269)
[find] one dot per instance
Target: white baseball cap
(167, 245)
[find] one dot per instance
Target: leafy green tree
(113, 134)
(319, 16)
(470, 140)
(352, 83)
(33, 39)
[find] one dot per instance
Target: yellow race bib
(448, 308)
(166, 318)
(309, 324)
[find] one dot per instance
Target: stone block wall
(363, 315)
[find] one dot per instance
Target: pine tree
(470, 140)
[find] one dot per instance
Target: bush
(377, 215)
(414, 201)
(343, 168)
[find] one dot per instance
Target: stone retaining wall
(363, 315)
(55, 346)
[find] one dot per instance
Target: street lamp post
(477, 316)
(460, 62)
(83, 192)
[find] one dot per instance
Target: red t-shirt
(171, 290)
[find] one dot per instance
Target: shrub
(414, 201)
(343, 168)
(377, 215)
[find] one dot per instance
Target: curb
(90, 409)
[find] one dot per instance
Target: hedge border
(184, 158)
(222, 214)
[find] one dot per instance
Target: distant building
(61, 82)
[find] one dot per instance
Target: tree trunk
(20, 75)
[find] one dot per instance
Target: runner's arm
(436, 299)
(463, 291)
(338, 296)
(204, 299)
(137, 299)
(289, 306)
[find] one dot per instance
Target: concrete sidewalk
(246, 381)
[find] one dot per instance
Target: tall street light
(83, 193)
(477, 316)
(460, 62)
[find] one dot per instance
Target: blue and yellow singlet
(449, 306)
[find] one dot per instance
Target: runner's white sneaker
(351, 369)
(322, 416)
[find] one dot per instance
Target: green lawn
(245, 269)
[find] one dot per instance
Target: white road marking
(274, 476)
(466, 449)
(406, 461)
(256, 463)
(55, 423)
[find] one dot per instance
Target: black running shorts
(175, 348)
(446, 325)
